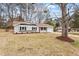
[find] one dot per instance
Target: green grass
(76, 43)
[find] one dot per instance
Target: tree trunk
(64, 20)
(64, 30)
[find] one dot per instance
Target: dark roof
(28, 24)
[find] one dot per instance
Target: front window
(22, 28)
(43, 28)
(34, 28)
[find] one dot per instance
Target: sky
(54, 11)
(39, 1)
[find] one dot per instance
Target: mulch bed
(66, 39)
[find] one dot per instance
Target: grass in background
(74, 33)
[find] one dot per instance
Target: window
(34, 28)
(45, 11)
(43, 28)
(22, 28)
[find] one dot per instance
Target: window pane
(20, 28)
(41, 28)
(45, 28)
(34, 28)
(25, 28)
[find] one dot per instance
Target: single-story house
(24, 27)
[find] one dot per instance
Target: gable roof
(43, 25)
(29, 23)
(20, 22)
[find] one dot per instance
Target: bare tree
(64, 20)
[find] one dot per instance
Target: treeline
(10, 12)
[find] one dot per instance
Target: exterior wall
(49, 29)
(37, 29)
(29, 28)
(43, 31)
(16, 29)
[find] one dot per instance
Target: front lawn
(35, 44)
